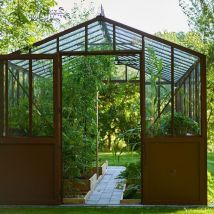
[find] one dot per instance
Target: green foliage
(155, 74)
(126, 157)
(201, 16)
(18, 118)
(82, 78)
(24, 22)
(183, 125)
(133, 171)
(80, 12)
(119, 111)
(132, 174)
(210, 188)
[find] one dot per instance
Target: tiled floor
(107, 191)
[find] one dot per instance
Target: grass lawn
(210, 163)
(131, 158)
(125, 158)
(104, 210)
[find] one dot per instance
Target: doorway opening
(101, 129)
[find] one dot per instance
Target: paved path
(106, 191)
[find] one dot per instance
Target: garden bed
(130, 201)
(77, 191)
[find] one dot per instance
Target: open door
(174, 122)
(30, 148)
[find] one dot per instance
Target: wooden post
(97, 139)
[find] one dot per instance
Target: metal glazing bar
(30, 97)
(114, 38)
(6, 98)
(172, 92)
(86, 38)
(190, 96)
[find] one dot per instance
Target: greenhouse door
(175, 132)
(30, 150)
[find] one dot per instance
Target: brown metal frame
(54, 140)
(201, 140)
(142, 75)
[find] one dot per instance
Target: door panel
(30, 151)
(28, 172)
(172, 173)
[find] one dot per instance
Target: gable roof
(103, 34)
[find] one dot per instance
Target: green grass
(124, 158)
(104, 210)
(210, 163)
(210, 156)
(132, 158)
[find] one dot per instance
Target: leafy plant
(183, 125)
(154, 79)
(119, 111)
(82, 78)
(132, 174)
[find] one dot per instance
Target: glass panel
(120, 73)
(182, 62)
(73, 41)
(157, 88)
(133, 73)
(186, 94)
(127, 40)
(198, 95)
(48, 48)
(100, 36)
(42, 118)
(18, 98)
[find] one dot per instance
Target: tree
(200, 15)
(22, 22)
(80, 12)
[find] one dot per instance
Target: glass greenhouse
(172, 82)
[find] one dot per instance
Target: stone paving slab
(106, 192)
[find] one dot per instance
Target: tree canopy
(22, 22)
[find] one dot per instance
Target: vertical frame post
(114, 38)
(190, 95)
(57, 88)
(203, 143)
(30, 97)
(172, 91)
(2, 106)
(143, 115)
(86, 38)
(6, 97)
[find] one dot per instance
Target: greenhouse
(52, 99)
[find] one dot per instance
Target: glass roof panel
(183, 62)
(100, 36)
(158, 59)
(47, 48)
(42, 67)
(73, 41)
(127, 40)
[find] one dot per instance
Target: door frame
(54, 140)
(141, 86)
